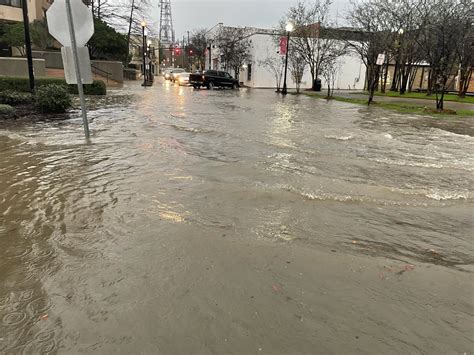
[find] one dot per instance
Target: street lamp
(288, 28)
(150, 71)
(143, 24)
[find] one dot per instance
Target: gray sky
(193, 14)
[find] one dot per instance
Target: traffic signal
(177, 51)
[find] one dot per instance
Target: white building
(254, 74)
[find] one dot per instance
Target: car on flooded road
(213, 78)
(175, 73)
(183, 79)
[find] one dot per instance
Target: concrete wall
(36, 10)
(115, 69)
(10, 13)
(53, 59)
(19, 67)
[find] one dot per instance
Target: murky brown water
(237, 222)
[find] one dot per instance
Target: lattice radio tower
(166, 24)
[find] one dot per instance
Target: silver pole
(80, 88)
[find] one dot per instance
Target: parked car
(175, 72)
(183, 79)
(212, 79)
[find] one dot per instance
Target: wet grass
(402, 107)
(422, 95)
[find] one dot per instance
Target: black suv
(212, 79)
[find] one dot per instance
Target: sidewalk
(421, 102)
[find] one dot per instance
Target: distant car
(167, 73)
(175, 72)
(212, 79)
(183, 79)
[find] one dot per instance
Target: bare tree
(310, 37)
(465, 54)
(123, 15)
(329, 73)
(233, 45)
(376, 37)
(274, 64)
(402, 20)
(199, 45)
(443, 24)
(297, 66)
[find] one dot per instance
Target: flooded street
(236, 222)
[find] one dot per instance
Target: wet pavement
(236, 222)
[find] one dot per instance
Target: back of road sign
(58, 25)
(84, 65)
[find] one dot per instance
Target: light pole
(288, 28)
(150, 71)
(143, 24)
(29, 56)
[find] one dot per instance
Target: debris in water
(275, 288)
(44, 317)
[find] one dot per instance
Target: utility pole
(189, 57)
(184, 53)
(289, 28)
(29, 55)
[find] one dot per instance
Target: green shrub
(6, 111)
(14, 98)
(96, 88)
(22, 84)
(53, 98)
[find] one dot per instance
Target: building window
(249, 72)
(14, 3)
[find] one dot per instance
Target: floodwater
(236, 222)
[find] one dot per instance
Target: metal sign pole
(80, 88)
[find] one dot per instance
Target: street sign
(84, 65)
(58, 24)
(380, 59)
(73, 34)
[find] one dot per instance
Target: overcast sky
(193, 14)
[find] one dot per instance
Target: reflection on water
(246, 165)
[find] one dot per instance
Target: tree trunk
(373, 84)
(404, 75)
(129, 32)
(394, 86)
(411, 79)
(385, 78)
(464, 82)
(429, 90)
(313, 78)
